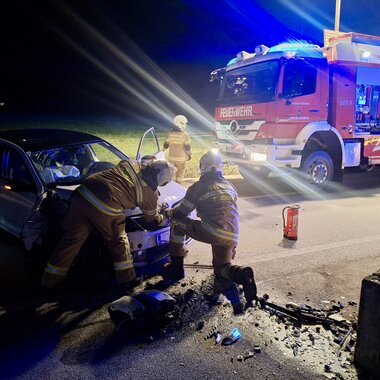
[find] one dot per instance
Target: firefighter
(215, 201)
(179, 144)
(99, 203)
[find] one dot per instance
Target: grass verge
(126, 137)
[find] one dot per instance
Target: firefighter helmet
(180, 121)
(209, 162)
(164, 171)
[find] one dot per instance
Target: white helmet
(209, 162)
(164, 171)
(180, 121)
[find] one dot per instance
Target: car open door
(20, 192)
(149, 146)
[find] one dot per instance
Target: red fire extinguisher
(291, 224)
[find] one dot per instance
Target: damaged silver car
(41, 167)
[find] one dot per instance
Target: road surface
(338, 244)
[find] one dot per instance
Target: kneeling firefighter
(215, 200)
(99, 204)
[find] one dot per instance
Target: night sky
(143, 58)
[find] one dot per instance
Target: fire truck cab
(300, 106)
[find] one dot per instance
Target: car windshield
(71, 164)
(252, 84)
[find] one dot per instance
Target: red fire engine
(297, 105)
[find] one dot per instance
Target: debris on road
(310, 337)
(232, 338)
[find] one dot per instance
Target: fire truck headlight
(258, 156)
(215, 150)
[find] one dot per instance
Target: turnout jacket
(179, 144)
(121, 187)
(215, 201)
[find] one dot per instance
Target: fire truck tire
(318, 168)
(249, 174)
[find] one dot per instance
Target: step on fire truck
(297, 105)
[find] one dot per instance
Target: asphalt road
(338, 238)
(337, 247)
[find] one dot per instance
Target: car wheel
(318, 168)
(250, 173)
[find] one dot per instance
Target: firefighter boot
(230, 291)
(127, 286)
(242, 276)
(233, 295)
(174, 271)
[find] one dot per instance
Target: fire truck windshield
(251, 84)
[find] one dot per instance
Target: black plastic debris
(210, 333)
(156, 301)
(125, 310)
(200, 325)
(248, 354)
(143, 312)
(232, 338)
(257, 349)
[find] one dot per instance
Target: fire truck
(301, 106)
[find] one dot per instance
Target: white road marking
(291, 252)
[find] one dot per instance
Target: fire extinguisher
(291, 224)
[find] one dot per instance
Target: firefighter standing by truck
(214, 199)
(99, 203)
(179, 143)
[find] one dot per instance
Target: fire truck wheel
(249, 173)
(318, 168)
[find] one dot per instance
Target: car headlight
(258, 156)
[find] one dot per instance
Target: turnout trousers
(180, 173)
(223, 251)
(80, 221)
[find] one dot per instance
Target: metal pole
(337, 15)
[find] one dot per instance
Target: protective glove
(160, 218)
(168, 212)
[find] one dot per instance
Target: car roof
(45, 138)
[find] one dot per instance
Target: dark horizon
(147, 58)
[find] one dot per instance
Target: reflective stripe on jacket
(123, 265)
(215, 200)
(96, 202)
(122, 187)
(131, 169)
(179, 144)
(58, 271)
